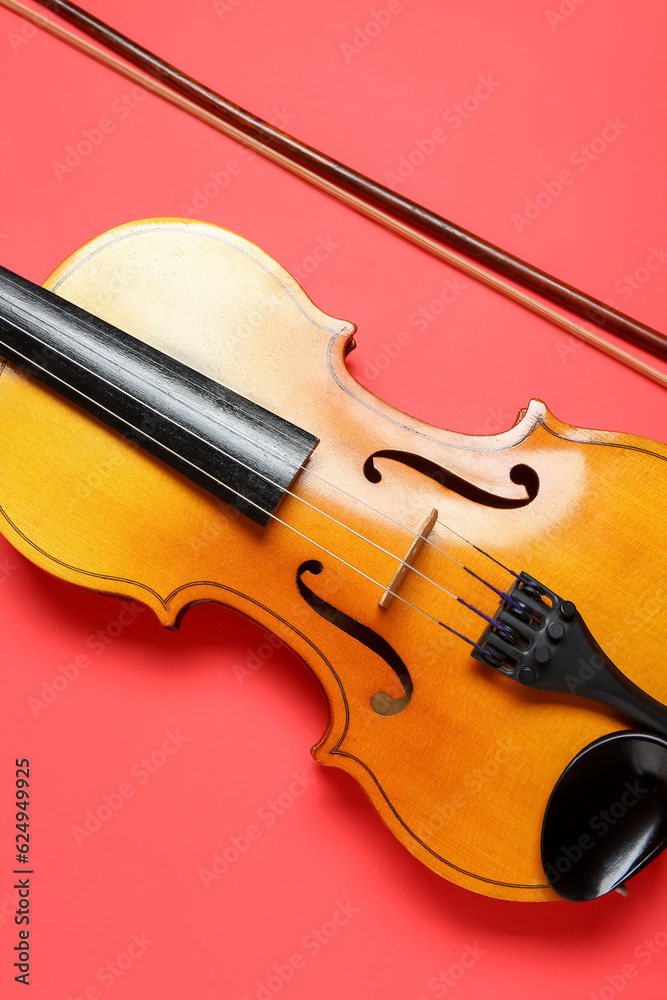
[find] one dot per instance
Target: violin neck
(240, 452)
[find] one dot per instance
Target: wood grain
(462, 774)
(430, 232)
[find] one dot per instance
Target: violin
(456, 596)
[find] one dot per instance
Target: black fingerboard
(238, 451)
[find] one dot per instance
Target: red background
(556, 78)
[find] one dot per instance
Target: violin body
(461, 765)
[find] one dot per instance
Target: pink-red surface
(182, 741)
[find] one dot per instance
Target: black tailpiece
(543, 642)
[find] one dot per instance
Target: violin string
(286, 524)
(413, 531)
(504, 596)
(252, 502)
(428, 541)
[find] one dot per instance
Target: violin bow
(431, 232)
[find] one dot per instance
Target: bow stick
(415, 223)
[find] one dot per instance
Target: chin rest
(606, 818)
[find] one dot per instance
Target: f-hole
(382, 703)
(520, 475)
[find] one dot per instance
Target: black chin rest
(607, 815)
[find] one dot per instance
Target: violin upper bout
(204, 296)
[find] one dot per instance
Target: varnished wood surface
(463, 773)
(419, 226)
(240, 452)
